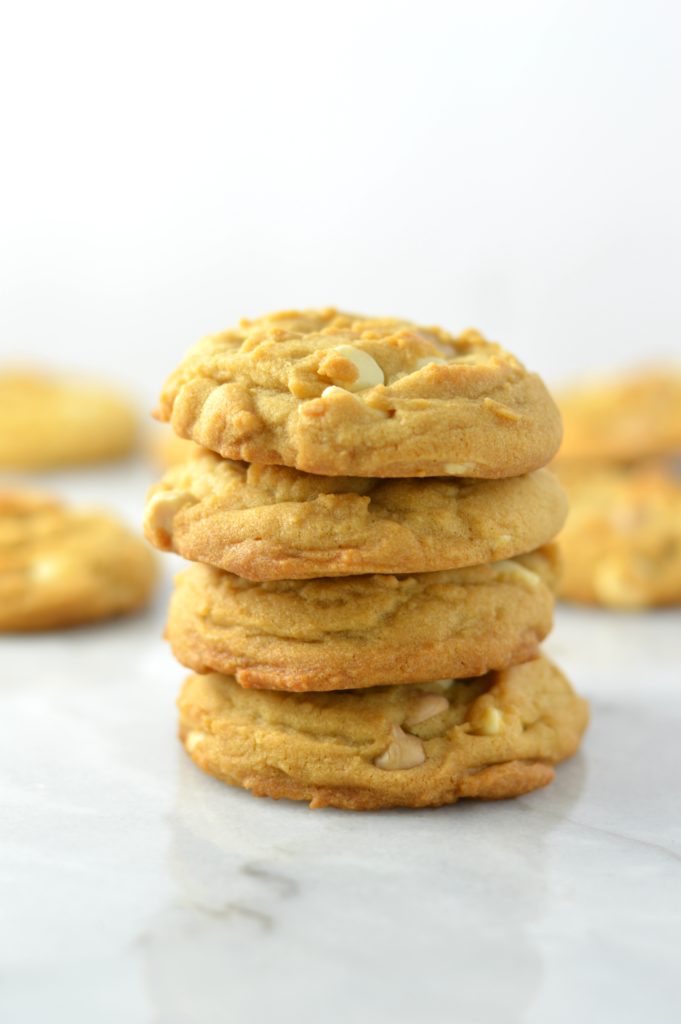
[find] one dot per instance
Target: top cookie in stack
(371, 512)
(329, 393)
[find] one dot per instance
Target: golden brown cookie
(394, 746)
(356, 631)
(167, 449)
(623, 418)
(273, 522)
(328, 393)
(50, 421)
(61, 566)
(622, 541)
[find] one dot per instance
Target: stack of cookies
(370, 524)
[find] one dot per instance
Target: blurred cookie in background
(619, 463)
(62, 566)
(622, 418)
(167, 449)
(49, 421)
(621, 544)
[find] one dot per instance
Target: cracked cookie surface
(334, 394)
(273, 522)
(62, 566)
(358, 631)
(493, 737)
(621, 543)
(49, 421)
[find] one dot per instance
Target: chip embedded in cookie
(493, 737)
(621, 543)
(62, 566)
(358, 631)
(273, 522)
(338, 395)
(47, 422)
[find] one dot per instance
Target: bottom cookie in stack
(415, 745)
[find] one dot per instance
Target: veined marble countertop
(137, 890)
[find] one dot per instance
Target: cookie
(357, 631)
(167, 449)
(47, 422)
(273, 522)
(329, 393)
(394, 746)
(622, 541)
(622, 419)
(61, 566)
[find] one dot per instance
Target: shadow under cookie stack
(370, 527)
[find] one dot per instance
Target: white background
(168, 168)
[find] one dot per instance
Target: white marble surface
(137, 890)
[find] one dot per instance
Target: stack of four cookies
(373, 576)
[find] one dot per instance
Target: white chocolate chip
(46, 569)
(429, 705)
(490, 722)
(444, 684)
(614, 589)
(163, 507)
(404, 751)
(332, 390)
(369, 372)
(459, 468)
(515, 572)
(625, 519)
(193, 738)
(427, 360)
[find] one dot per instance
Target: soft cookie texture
(273, 522)
(358, 631)
(622, 541)
(396, 746)
(61, 566)
(47, 422)
(338, 395)
(623, 418)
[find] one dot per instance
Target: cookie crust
(273, 522)
(63, 566)
(493, 737)
(294, 389)
(359, 631)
